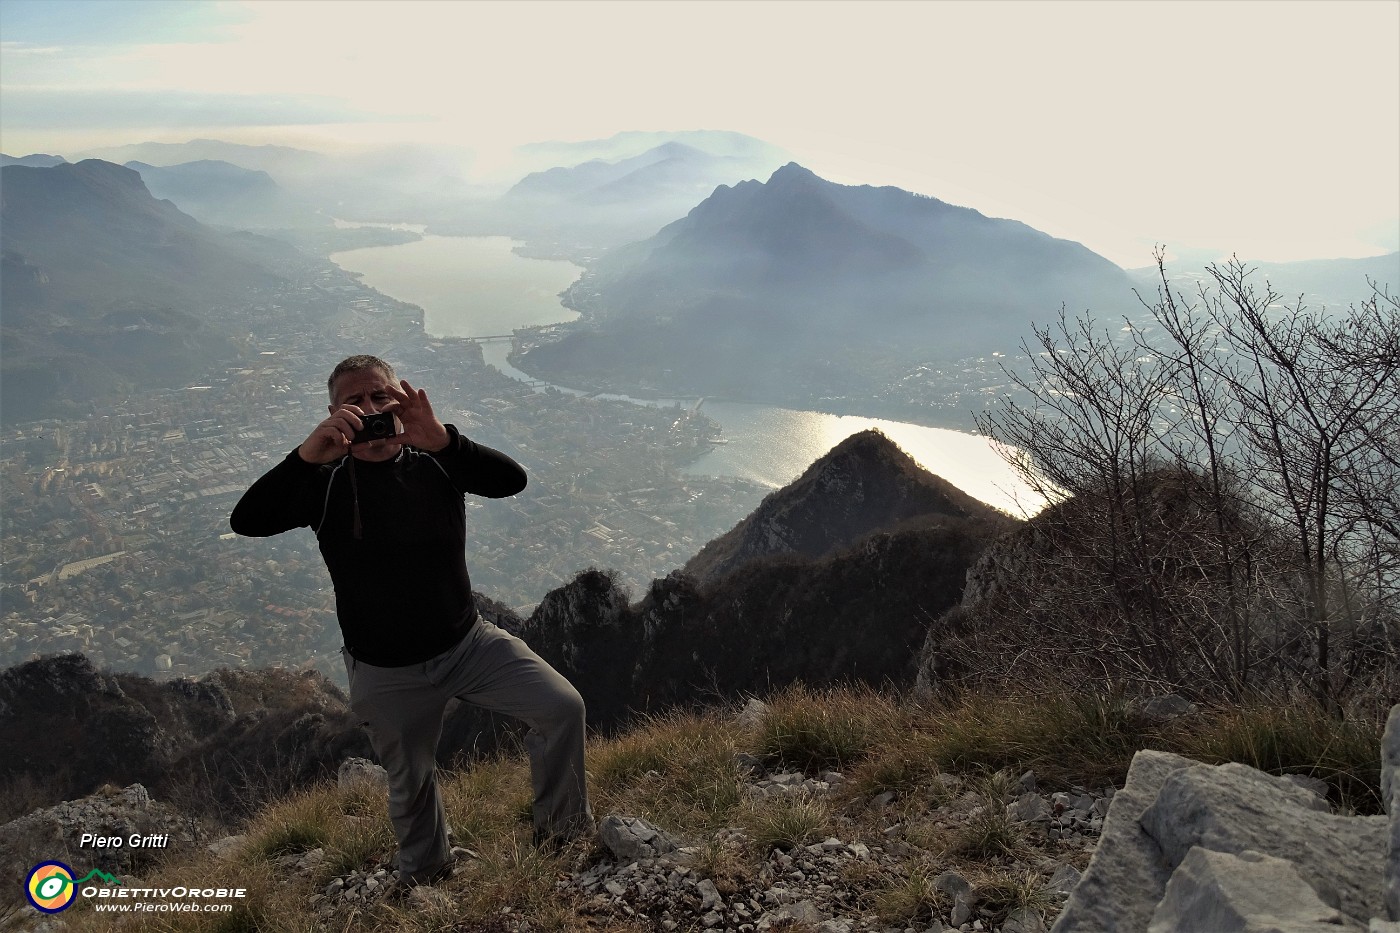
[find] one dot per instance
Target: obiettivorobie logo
(51, 886)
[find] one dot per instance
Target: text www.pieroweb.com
(185, 900)
(163, 907)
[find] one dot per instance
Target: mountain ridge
(864, 484)
(788, 222)
(107, 286)
(796, 289)
(221, 193)
(866, 542)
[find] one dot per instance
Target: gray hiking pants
(402, 708)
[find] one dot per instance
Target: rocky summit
(864, 484)
(1197, 848)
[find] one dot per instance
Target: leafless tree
(1274, 429)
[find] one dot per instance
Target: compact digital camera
(377, 427)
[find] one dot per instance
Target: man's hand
(331, 438)
(421, 428)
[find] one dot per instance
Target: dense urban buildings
(115, 528)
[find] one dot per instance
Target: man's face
(366, 389)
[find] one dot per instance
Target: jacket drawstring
(355, 497)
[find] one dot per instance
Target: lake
(478, 287)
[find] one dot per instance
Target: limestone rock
(632, 838)
(1030, 807)
(753, 713)
(1219, 892)
(1064, 879)
(1023, 920)
(1226, 848)
(1233, 808)
(352, 771)
(1390, 795)
(803, 912)
(1126, 876)
(56, 832)
(227, 847)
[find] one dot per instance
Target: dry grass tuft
(787, 822)
(909, 897)
(824, 730)
(676, 770)
(1294, 737)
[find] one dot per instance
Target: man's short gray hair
(353, 364)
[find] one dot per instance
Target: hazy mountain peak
(676, 149)
(792, 172)
(106, 284)
(266, 157)
(70, 183)
(101, 167)
(33, 160)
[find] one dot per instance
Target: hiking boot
(399, 890)
(551, 843)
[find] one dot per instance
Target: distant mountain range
(572, 198)
(631, 143)
(672, 170)
(396, 183)
(795, 290)
(105, 286)
(213, 191)
(618, 193)
(763, 281)
(36, 160)
(277, 161)
(1321, 283)
(224, 194)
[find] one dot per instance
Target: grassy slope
(680, 772)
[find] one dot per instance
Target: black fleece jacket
(402, 591)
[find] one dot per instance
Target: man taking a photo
(386, 501)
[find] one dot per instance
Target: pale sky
(1267, 128)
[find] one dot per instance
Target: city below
(116, 535)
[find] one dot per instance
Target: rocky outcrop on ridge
(858, 616)
(1065, 593)
(1223, 848)
(56, 833)
(833, 578)
(863, 485)
(69, 728)
(225, 740)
